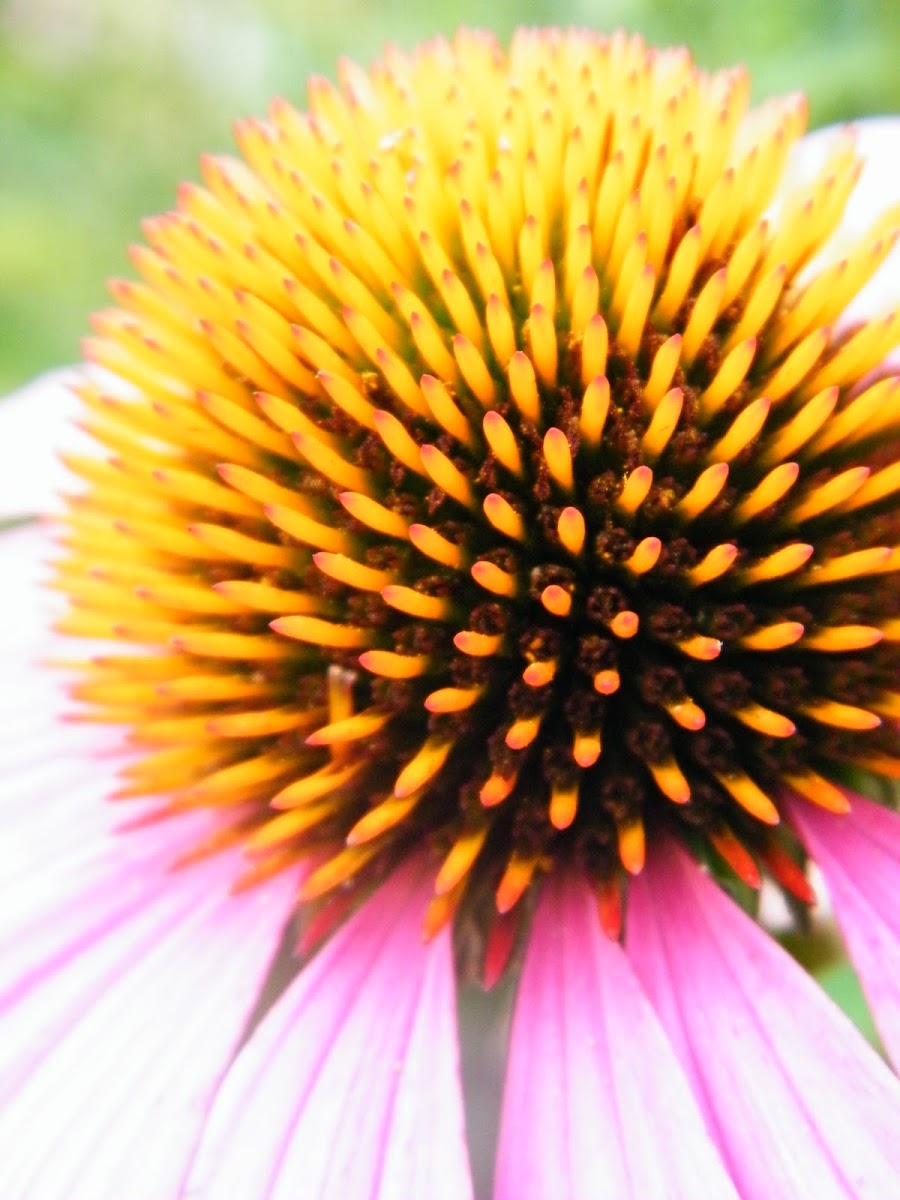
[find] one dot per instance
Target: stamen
(398, 441)
(447, 476)
(474, 370)
(500, 331)
(848, 566)
(556, 600)
(773, 487)
(703, 316)
(645, 557)
(313, 787)
(571, 529)
(422, 767)
(349, 729)
(460, 860)
(736, 856)
(804, 426)
(354, 574)
(434, 545)
(782, 562)
(594, 349)
(687, 714)
(395, 666)
(787, 873)
(477, 645)
(504, 517)
(830, 495)
(635, 490)
(563, 806)
(416, 604)
(625, 624)
(662, 372)
(670, 781)
(587, 749)
(515, 881)
(489, 576)
(502, 442)
(321, 633)
(607, 682)
(448, 700)
(310, 532)
(843, 716)
(558, 457)
(383, 817)
(716, 563)
(704, 649)
(662, 425)
(728, 378)
(496, 789)
(744, 429)
(632, 845)
(522, 733)
(813, 787)
(773, 637)
(523, 386)
(543, 343)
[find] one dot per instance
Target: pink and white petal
(36, 422)
(56, 773)
(122, 1005)
(859, 857)
(799, 1103)
(28, 605)
(596, 1104)
(350, 1086)
(124, 988)
(878, 144)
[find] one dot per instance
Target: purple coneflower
(486, 555)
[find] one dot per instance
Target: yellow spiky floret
(488, 470)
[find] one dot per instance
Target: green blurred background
(106, 104)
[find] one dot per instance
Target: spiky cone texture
(495, 473)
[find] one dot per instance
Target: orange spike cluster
(505, 485)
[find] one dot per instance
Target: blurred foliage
(822, 953)
(841, 983)
(105, 104)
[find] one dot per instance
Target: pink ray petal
(859, 857)
(125, 988)
(596, 1104)
(28, 606)
(56, 773)
(122, 1005)
(35, 423)
(349, 1087)
(800, 1105)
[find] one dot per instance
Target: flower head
(494, 476)
(493, 482)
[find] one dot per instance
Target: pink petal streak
(349, 1088)
(859, 857)
(37, 422)
(800, 1104)
(122, 1004)
(596, 1105)
(125, 987)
